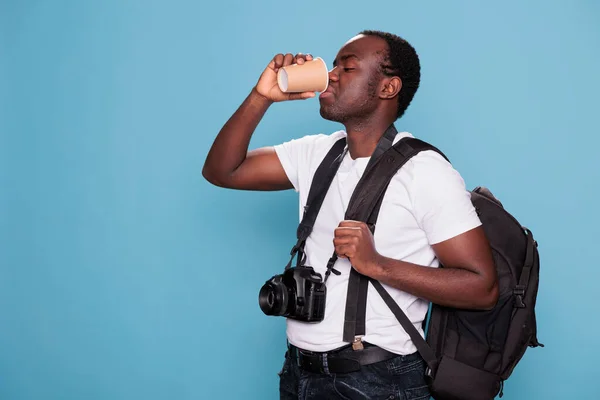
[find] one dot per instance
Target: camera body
(299, 293)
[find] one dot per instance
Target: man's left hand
(353, 240)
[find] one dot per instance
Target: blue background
(125, 275)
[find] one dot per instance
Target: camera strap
(320, 185)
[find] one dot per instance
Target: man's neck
(363, 137)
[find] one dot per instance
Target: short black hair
(402, 60)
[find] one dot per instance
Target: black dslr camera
(298, 293)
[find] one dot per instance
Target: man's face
(353, 90)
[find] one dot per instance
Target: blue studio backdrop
(125, 275)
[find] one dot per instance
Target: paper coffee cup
(312, 76)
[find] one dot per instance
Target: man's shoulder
(323, 139)
(426, 160)
(306, 152)
(428, 167)
(311, 146)
(318, 139)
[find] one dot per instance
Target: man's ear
(391, 88)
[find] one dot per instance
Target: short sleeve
(296, 156)
(441, 202)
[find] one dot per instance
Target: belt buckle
(357, 344)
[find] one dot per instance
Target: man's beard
(339, 112)
(333, 113)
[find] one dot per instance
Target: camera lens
(273, 298)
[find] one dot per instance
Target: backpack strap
(519, 290)
(364, 206)
(355, 313)
(318, 189)
(424, 349)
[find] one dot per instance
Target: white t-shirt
(425, 203)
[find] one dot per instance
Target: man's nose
(333, 75)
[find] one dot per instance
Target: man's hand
(468, 279)
(353, 240)
(267, 84)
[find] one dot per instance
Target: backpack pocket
(454, 380)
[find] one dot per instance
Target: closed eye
(348, 69)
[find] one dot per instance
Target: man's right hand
(229, 163)
(267, 85)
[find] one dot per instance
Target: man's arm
(468, 279)
(442, 208)
(229, 163)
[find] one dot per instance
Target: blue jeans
(399, 378)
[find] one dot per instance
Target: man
(426, 218)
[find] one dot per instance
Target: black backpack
(469, 353)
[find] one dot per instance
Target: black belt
(339, 361)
